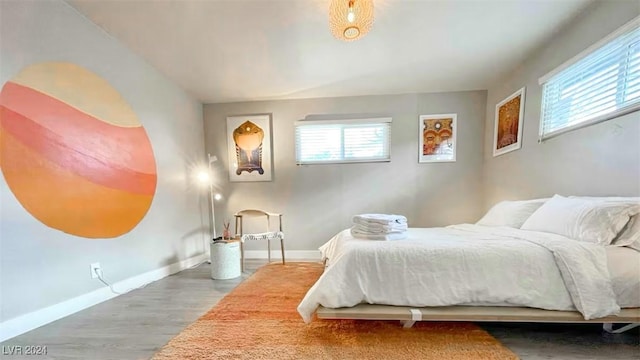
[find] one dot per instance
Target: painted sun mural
(73, 152)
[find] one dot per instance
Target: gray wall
(602, 159)
(41, 266)
(318, 200)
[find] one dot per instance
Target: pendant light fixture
(350, 19)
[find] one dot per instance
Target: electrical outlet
(95, 270)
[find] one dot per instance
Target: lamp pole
(212, 159)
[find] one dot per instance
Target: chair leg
(282, 249)
(269, 250)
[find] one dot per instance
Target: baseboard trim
(289, 254)
(27, 322)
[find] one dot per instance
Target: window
(342, 141)
(600, 84)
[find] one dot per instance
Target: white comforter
(465, 265)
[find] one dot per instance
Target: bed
(472, 272)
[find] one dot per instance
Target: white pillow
(629, 235)
(582, 219)
(510, 213)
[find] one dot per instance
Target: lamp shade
(350, 19)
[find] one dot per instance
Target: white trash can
(225, 260)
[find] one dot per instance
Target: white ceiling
(237, 50)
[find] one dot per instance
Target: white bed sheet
(450, 266)
(624, 268)
(623, 264)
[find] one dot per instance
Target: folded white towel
(382, 219)
(381, 229)
(393, 236)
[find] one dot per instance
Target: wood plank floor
(137, 324)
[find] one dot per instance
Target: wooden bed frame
(409, 315)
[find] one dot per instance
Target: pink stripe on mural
(105, 142)
(88, 163)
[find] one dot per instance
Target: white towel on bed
(381, 229)
(381, 236)
(381, 219)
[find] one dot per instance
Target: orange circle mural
(73, 152)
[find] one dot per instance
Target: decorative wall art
(508, 124)
(73, 152)
(437, 138)
(249, 147)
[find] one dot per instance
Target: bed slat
(471, 313)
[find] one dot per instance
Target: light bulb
(203, 177)
(351, 16)
(217, 196)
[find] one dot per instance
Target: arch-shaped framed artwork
(249, 146)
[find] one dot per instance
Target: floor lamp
(206, 177)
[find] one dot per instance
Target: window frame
(626, 28)
(347, 122)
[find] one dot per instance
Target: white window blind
(600, 84)
(342, 141)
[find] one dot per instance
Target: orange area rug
(258, 320)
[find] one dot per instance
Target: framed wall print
(437, 138)
(249, 147)
(507, 134)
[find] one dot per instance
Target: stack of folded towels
(379, 227)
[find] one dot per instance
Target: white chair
(268, 235)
